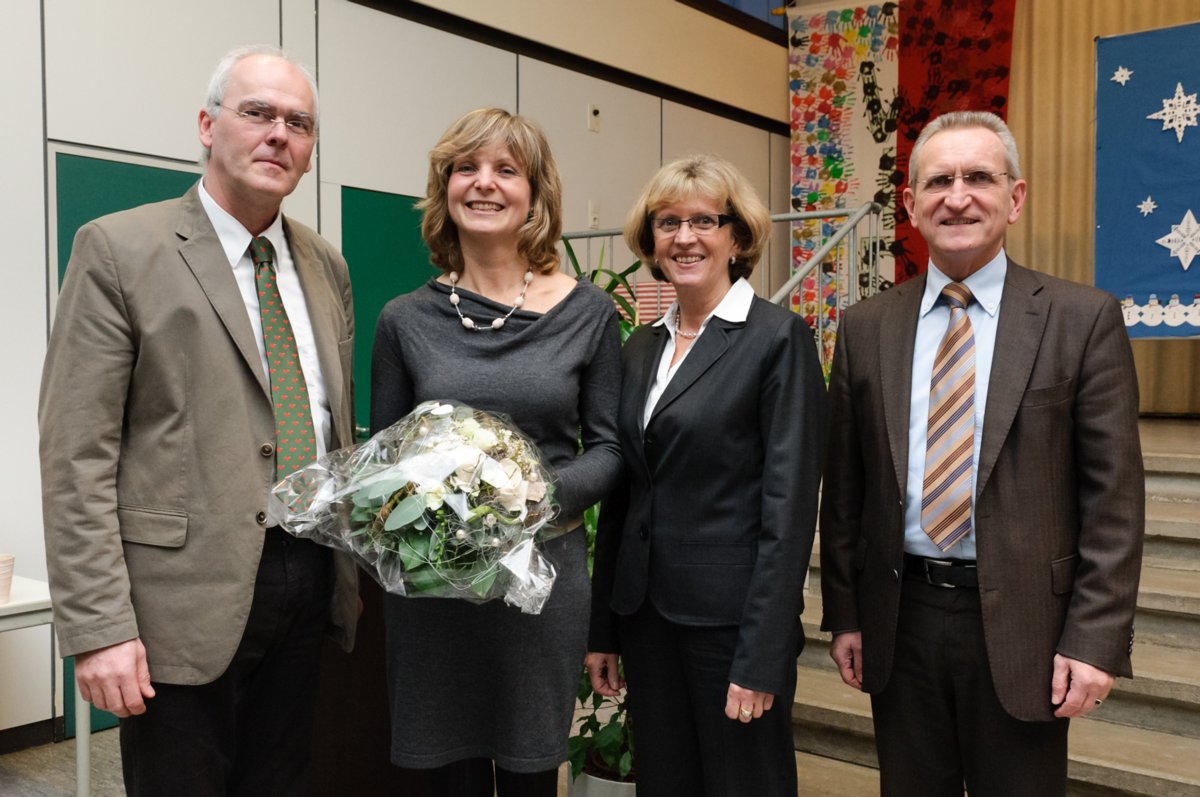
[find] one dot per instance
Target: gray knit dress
(483, 680)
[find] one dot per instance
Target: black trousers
(246, 733)
(678, 680)
(938, 722)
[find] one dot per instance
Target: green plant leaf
(405, 513)
(625, 765)
(577, 748)
(413, 551)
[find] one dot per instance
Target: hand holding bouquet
(447, 502)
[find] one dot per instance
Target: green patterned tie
(295, 440)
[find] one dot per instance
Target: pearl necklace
(497, 323)
(679, 326)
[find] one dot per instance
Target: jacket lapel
(201, 250)
(897, 337)
(707, 349)
(1023, 313)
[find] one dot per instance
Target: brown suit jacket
(1059, 493)
(154, 415)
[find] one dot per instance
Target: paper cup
(6, 573)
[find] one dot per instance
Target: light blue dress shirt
(986, 286)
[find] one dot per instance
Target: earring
(732, 259)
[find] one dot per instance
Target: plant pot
(591, 786)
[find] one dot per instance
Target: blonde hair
(525, 141)
(711, 177)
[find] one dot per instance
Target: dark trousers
(478, 777)
(678, 680)
(246, 733)
(938, 722)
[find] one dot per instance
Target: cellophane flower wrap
(448, 502)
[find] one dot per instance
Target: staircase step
(1163, 695)
(1169, 605)
(832, 719)
(1173, 530)
(827, 777)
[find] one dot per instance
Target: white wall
(24, 655)
(115, 86)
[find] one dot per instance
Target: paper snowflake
(1178, 112)
(1147, 206)
(1183, 240)
(1122, 75)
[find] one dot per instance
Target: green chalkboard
(88, 188)
(381, 239)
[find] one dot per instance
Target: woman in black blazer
(701, 556)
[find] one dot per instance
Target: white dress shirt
(987, 285)
(734, 306)
(235, 240)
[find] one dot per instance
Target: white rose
(434, 497)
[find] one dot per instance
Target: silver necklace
(497, 323)
(679, 326)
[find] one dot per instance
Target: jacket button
(267, 450)
(261, 517)
(895, 575)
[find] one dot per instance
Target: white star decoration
(1122, 75)
(1147, 206)
(1178, 112)
(1183, 240)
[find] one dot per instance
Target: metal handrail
(852, 220)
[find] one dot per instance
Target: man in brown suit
(190, 614)
(980, 625)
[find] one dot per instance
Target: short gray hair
(962, 119)
(219, 81)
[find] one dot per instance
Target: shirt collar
(733, 307)
(235, 239)
(986, 284)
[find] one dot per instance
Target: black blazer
(715, 520)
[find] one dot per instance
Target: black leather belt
(951, 573)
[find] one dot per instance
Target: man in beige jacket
(164, 423)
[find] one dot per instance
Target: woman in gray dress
(482, 695)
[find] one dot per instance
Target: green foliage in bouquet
(473, 493)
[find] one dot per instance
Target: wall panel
(607, 168)
(132, 75)
(687, 131)
(390, 87)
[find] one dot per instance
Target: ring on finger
(745, 712)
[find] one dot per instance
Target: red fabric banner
(954, 56)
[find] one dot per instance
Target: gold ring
(745, 712)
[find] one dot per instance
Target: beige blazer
(1059, 513)
(156, 434)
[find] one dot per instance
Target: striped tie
(950, 443)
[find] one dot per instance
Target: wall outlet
(593, 118)
(593, 214)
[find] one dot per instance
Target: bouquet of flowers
(447, 502)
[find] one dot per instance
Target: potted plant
(600, 750)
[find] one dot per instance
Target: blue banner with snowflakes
(1148, 178)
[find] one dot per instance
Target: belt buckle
(936, 563)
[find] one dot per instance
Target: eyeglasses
(972, 181)
(701, 225)
(299, 124)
